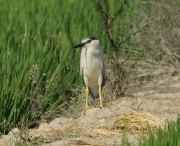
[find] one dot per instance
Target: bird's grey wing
(103, 68)
(103, 73)
(82, 64)
(82, 76)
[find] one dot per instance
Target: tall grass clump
(170, 137)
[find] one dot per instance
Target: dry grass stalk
(138, 122)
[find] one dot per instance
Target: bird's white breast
(94, 61)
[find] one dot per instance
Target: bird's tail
(93, 92)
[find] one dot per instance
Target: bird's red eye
(88, 41)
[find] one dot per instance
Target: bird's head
(89, 41)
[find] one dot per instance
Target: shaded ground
(98, 127)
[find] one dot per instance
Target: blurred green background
(37, 62)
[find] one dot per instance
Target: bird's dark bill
(80, 45)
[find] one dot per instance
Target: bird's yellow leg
(87, 94)
(100, 96)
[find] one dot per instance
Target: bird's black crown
(90, 37)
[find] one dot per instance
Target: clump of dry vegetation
(160, 38)
(138, 122)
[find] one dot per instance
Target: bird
(92, 68)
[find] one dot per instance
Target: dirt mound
(62, 128)
(104, 127)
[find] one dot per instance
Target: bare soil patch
(155, 105)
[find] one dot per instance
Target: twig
(107, 20)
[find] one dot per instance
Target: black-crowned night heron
(92, 68)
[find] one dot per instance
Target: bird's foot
(84, 111)
(87, 107)
(101, 106)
